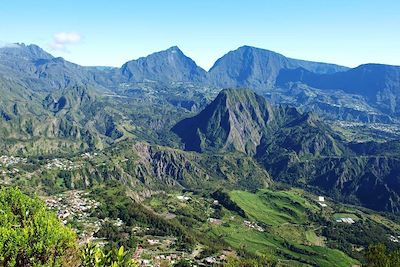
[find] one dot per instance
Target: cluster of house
(7, 172)
(73, 203)
(159, 259)
(76, 205)
(394, 239)
(253, 225)
(62, 164)
(158, 252)
(345, 220)
(138, 229)
(214, 260)
(173, 258)
(214, 221)
(88, 155)
(7, 161)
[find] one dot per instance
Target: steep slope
(166, 66)
(61, 121)
(240, 120)
(378, 84)
(39, 71)
(258, 68)
(235, 120)
(296, 148)
(145, 167)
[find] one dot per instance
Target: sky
(109, 33)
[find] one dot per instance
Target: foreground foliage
(93, 256)
(378, 256)
(30, 235)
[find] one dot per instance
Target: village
(62, 164)
(75, 207)
(7, 164)
(7, 161)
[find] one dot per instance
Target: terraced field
(288, 233)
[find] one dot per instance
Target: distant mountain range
(282, 124)
(39, 91)
(368, 93)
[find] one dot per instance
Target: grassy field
(345, 215)
(289, 236)
(274, 207)
(286, 226)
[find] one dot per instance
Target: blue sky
(347, 32)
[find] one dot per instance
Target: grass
(289, 237)
(314, 239)
(281, 249)
(274, 207)
(346, 215)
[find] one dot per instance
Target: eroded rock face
(172, 167)
(148, 167)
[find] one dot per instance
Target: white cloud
(62, 39)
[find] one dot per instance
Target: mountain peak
(254, 49)
(174, 49)
(170, 65)
(258, 68)
(240, 120)
(20, 51)
(235, 120)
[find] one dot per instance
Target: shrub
(30, 235)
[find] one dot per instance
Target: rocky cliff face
(144, 166)
(240, 120)
(235, 121)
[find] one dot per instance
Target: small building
(345, 220)
(321, 199)
(185, 198)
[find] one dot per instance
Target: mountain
(378, 84)
(334, 92)
(47, 101)
(235, 120)
(160, 89)
(22, 52)
(296, 148)
(39, 71)
(166, 66)
(258, 69)
(240, 120)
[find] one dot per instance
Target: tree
(30, 235)
(94, 256)
(183, 263)
(240, 262)
(378, 256)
